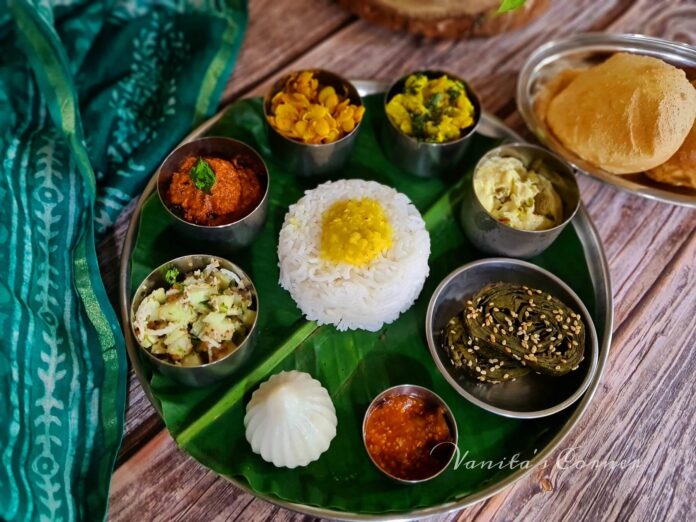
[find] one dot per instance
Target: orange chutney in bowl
(233, 192)
(408, 437)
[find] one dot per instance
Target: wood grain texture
(277, 34)
(644, 408)
(445, 18)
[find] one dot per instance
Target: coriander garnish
(203, 176)
(171, 275)
(509, 5)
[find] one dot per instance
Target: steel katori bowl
(490, 235)
(312, 160)
(532, 395)
(204, 374)
(412, 390)
(422, 158)
(234, 235)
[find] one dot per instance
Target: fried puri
(628, 114)
(680, 169)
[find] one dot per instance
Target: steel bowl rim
(593, 344)
(238, 271)
(431, 395)
(571, 177)
(259, 206)
(471, 93)
(272, 92)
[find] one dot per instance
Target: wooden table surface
(633, 452)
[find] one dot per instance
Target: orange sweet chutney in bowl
(409, 437)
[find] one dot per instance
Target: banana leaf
(353, 366)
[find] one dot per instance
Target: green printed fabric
(93, 95)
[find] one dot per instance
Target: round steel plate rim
(589, 42)
(601, 39)
(599, 273)
(537, 414)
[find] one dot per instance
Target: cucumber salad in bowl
(201, 317)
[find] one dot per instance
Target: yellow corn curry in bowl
(307, 111)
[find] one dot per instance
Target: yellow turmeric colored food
(311, 113)
(355, 231)
(434, 110)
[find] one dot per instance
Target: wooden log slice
(445, 18)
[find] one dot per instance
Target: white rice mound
(344, 295)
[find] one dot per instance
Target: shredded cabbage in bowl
(197, 320)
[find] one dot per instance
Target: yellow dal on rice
(355, 231)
